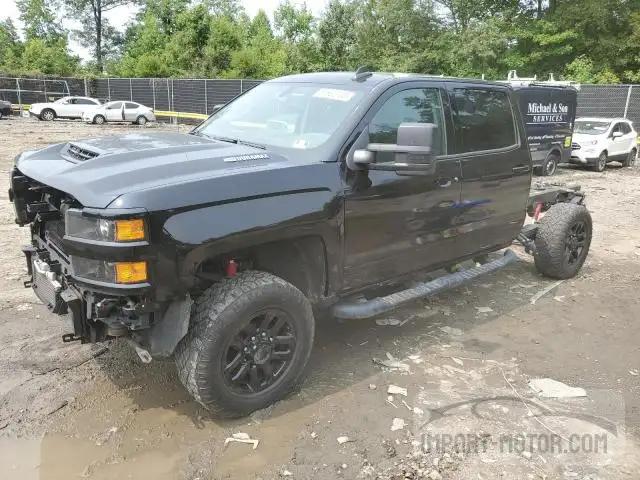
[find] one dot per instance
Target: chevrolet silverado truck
(301, 197)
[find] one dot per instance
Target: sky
(10, 10)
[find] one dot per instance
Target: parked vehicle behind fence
(65, 107)
(120, 111)
(549, 110)
(598, 141)
(5, 108)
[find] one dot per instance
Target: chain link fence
(195, 98)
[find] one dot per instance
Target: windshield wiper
(251, 144)
(229, 140)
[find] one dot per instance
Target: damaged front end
(95, 267)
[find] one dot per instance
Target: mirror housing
(616, 134)
(217, 107)
(413, 152)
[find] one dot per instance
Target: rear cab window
(483, 118)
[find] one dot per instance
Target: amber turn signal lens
(131, 272)
(129, 230)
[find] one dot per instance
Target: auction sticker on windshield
(334, 94)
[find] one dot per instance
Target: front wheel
(562, 240)
(631, 158)
(98, 120)
(601, 163)
(47, 115)
(248, 343)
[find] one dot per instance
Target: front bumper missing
(60, 301)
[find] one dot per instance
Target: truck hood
(99, 170)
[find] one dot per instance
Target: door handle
(446, 182)
(524, 168)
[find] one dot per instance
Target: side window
(85, 101)
(115, 106)
(130, 106)
(484, 119)
(626, 128)
(73, 101)
(420, 105)
(618, 127)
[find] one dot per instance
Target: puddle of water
(20, 459)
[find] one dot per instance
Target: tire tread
(551, 238)
(213, 311)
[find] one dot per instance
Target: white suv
(598, 141)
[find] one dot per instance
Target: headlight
(102, 229)
(109, 272)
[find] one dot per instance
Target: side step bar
(375, 306)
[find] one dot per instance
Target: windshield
(288, 115)
(591, 127)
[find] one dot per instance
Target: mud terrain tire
(563, 240)
(219, 317)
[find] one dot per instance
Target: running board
(369, 308)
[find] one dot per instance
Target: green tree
(50, 59)
(40, 20)
(337, 36)
(295, 26)
(10, 46)
(96, 32)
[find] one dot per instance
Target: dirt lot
(465, 358)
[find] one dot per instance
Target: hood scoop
(75, 153)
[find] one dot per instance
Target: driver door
(114, 112)
(400, 222)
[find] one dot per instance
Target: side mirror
(413, 152)
(616, 134)
(217, 107)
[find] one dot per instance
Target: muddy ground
(465, 357)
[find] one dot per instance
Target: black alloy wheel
(260, 352)
(575, 244)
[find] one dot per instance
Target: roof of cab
(372, 78)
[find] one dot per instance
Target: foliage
(590, 41)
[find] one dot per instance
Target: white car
(598, 141)
(65, 107)
(119, 112)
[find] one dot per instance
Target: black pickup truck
(303, 195)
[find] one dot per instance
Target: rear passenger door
(496, 166)
(114, 112)
(130, 111)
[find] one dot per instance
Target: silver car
(119, 111)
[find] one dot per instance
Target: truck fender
(207, 233)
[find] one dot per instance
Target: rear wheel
(99, 119)
(248, 344)
(142, 120)
(47, 115)
(550, 165)
(601, 163)
(563, 240)
(0, 115)
(631, 158)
